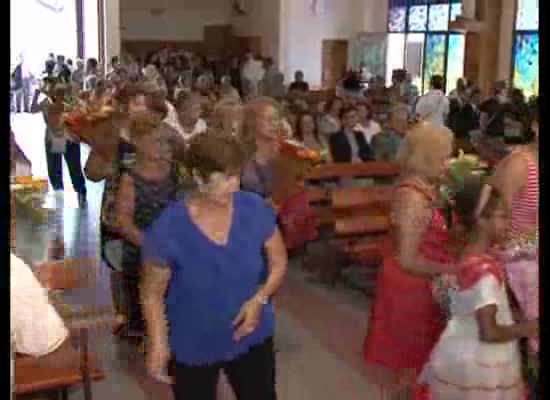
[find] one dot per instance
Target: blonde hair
(423, 147)
(227, 114)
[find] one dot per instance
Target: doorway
(334, 62)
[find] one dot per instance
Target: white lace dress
(461, 366)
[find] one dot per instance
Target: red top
(472, 269)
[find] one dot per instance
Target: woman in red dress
(405, 321)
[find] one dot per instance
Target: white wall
(179, 19)
(91, 29)
(263, 19)
(60, 37)
(303, 32)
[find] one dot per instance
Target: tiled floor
(319, 330)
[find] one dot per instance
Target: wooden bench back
(358, 216)
(31, 377)
(371, 169)
(331, 203)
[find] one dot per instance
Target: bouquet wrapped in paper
(299, 224)
(291, 167)
(91, 122)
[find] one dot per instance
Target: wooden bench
(31, 377)
(69, 274)
(354, 219)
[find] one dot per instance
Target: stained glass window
(525, 74)
(455, 60)
(418, 17)
(527, 17)
(526, 63)
(397, 19)
(426, 40)
(456, 10)
(439, 17)
(434, 62)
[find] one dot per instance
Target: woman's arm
(248, 318)
(491, 332)
(277, 264)
(125, 207)
(154, 284)
(412, 216)
(97, 168)
(509, 178)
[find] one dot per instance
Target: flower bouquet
(291, 167)
(458, 171)
(83, 119)
(29, 194)
(298, 222)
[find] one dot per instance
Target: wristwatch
(263, 300)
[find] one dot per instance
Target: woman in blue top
(204, 299)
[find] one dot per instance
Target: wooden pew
(354, 219)
(69, 274)
(370, 169)
(321, 181)
(31, 377)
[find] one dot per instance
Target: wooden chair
(66, 274)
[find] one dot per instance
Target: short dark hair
(437, 82)
(330, 103)
(92, 63)
(346, 110)
(214, 151)
(466, 201)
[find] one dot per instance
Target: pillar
(111, 18)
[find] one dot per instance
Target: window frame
(426, 32)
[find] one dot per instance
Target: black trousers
(252, 376)
(55, 167)
(132, 303)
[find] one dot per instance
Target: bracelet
(263, 300)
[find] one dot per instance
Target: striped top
(525, 205)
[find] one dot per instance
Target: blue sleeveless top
(210, 282)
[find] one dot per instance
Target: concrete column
(112, 29)
(506, 39)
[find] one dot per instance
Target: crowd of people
(190, 158)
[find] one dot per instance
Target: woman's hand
(157, 363)
(248, 319)
(532, 328)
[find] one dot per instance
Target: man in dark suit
(349, 144)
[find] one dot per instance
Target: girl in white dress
(477, 356)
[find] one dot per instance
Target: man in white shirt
(252, 72)
(36, 327)
(434, 106)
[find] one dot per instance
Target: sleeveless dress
(405, 321)
(522, 247)
(461, 366)
(150, 200)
